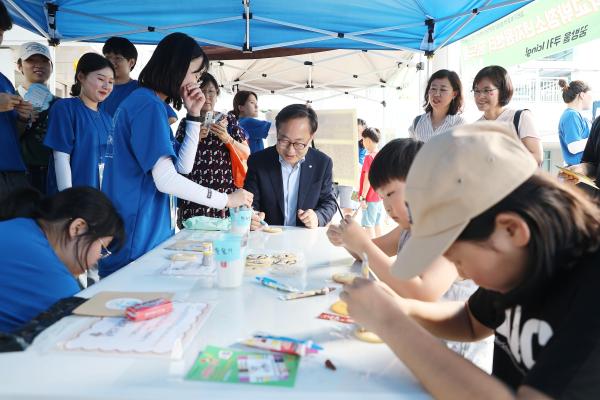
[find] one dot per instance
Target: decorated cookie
(367, 336)
(340, 307)
(271, 229)
(345, 278)
(258, 260)
(285, 259)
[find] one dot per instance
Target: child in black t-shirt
(531, 243)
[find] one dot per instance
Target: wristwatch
(193, 118)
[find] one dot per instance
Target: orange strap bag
(239, 166)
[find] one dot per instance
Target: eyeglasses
(485, 92)
(298, 146)
(104, 251)
(439, 91)
(209, 93)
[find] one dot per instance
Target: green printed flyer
(216, 364)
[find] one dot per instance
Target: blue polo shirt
(75, 129)
(141, 136)
(10, 153)
(32, 277)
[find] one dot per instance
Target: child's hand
(354, 237)
(334, 234)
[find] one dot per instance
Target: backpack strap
(416, 121)
(517, 119)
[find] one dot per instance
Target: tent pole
(28, 19)
(247, 16)
(474, 13)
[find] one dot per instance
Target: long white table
(363, 370)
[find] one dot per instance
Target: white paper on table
(188, 268)
(163, 335)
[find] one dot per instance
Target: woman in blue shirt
(46, 242)
(146, 163)
(77, 129)
(573, 129)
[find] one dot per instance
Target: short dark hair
(564, 225)
(371, 133)
(168, 66)
(294, 111)
(207, 78)
(500, 78)
(89, 62)
(570, 91)
(5, 20)
(456, 104)
(393, 161)
(240, 99)
(122, 47)
(60, 209)
(360, 121)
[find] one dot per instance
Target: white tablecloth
(363, 370)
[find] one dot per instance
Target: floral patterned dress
(212, 169)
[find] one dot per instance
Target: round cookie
(367, 336)
(285, 259)
(340, 307)
(183, 257)
(345, 278)
(258, 260)
(271, 229)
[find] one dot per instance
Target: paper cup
(229, 261)
(240, 220)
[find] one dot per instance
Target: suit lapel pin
(310, 166)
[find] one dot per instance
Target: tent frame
(428, 46)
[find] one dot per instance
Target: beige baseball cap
(455, 177)
(32, 48)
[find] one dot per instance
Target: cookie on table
(285, 258)
(367, 336)
(258, 260)
(345, 278)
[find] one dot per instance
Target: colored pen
(308, 293)
(272, 283)
(313, 345)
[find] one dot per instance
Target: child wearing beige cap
(531, 243)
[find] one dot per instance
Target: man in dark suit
(291, 182)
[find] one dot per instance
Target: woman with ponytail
(573, 129)
(46, 243)
(78, 130)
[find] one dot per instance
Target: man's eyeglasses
(485, 92)
(284, 143)
(104, 251)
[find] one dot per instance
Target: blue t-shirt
(32, 276)
(75, 129)
(120, 92)
(141, 136)
(116, 97)
(571, 128)
(256, 131)
(10, 153)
